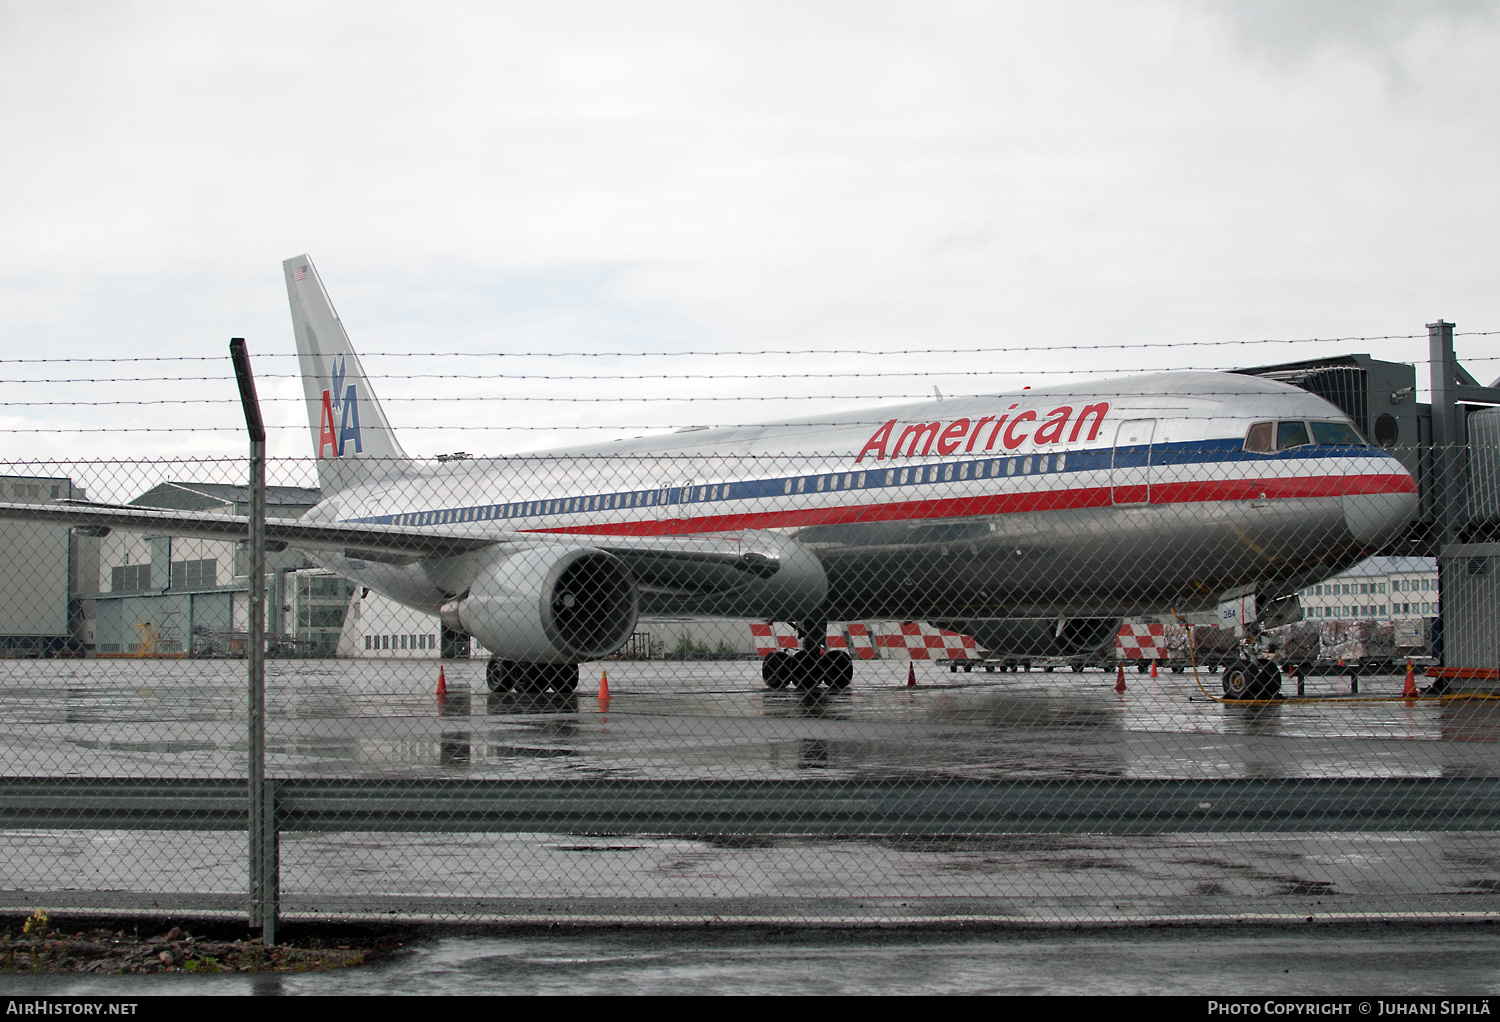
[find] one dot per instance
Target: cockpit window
(1260, 438)
(1336, 433)
(1291, 434)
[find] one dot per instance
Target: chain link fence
(1190, 645)
(940, 724)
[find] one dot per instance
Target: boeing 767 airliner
(1057, 507)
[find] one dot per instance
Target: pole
(262, 836)
(1448, 437)
(1449, 445)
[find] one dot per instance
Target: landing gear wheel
(1240, 681)
(776, 669)
(807, 670)
(838, 669)
(531, 678)
(565, 678)
(499, 676)
(1270, 681)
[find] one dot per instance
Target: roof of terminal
(194, 496)
(1390, 566)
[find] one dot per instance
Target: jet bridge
(1451, 445)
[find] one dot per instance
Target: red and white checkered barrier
(773, 636)
(861, 642)
(910, 640)
(889, 640)
(1141, 642)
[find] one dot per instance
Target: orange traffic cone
(442, 689)
(1153, 668)
(1120, 676)
(603, 684)
(1410, 688)
(911, 675)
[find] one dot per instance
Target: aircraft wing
(394, 539)
(703, 563)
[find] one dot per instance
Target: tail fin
(352, 439)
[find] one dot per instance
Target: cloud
(1291, 33)
(877, 185)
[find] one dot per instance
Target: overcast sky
(618, 177)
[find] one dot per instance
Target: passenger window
(1291, 434)
(1259, 438)
(1336, 433)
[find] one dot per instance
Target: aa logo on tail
(347, 408)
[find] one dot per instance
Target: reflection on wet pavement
(714, 719)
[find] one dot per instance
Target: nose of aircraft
(1374, 518)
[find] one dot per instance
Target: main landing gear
(805, 670)
(510, 676)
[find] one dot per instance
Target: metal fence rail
(695, 808)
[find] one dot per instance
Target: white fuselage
(1125, 496)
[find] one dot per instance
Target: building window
(367, 642)
(130, 578)
(200, 574)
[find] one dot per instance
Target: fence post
(263, 864)
(1448, 434)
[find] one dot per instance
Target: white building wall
(34, 563)
(379, 627)
(33, 579)
(1380, 596)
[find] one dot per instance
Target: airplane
(1050, 512)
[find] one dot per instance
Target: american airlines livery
(1044, 515)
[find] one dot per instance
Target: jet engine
(548, 604)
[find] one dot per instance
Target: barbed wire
(615, 377)
(691, 353)
(883, 397)
(671, 399)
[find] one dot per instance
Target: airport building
(1380, 588)
(41, 566)
(169, 596)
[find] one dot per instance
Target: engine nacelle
(548, 605)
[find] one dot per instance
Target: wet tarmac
(714, 720)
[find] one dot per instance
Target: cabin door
(1130, 469)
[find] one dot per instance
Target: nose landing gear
(1252, 679)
